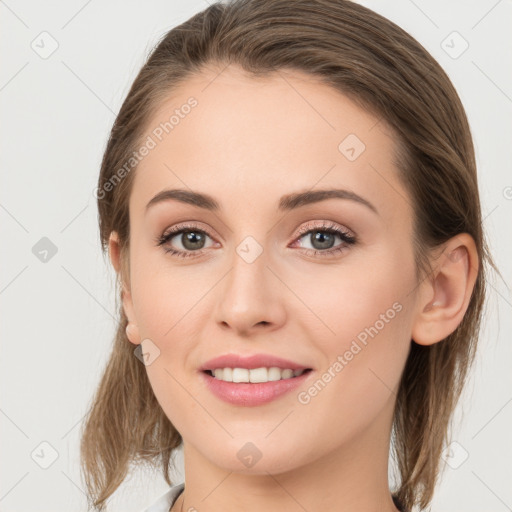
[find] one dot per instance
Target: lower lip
(249, 394)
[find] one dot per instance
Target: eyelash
(325, 227)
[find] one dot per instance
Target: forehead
(254, 139)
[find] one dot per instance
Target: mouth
(252, 380)
(253, 387)
(255, 375)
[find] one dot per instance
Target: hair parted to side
(387, 72)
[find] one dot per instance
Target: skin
(248, 142)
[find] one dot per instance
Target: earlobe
(445, 297)
(132, 333)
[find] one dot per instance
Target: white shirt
(166, 500)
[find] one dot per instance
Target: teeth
(258, 375)
(254, 375)
(239, 375)
(274, 373)
(286, 374)
(218, 374)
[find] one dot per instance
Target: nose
(250, 297)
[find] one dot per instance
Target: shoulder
(166, 500)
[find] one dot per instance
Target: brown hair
(386, 71)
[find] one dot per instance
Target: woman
(289, 198)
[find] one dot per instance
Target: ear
(444, 297)
(121, 267)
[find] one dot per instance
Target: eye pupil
(325, 239)
(190, 239)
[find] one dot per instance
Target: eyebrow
(286, 202)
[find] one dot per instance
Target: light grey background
(58, 321)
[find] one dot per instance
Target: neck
(353, 477)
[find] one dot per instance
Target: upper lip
(251, 362)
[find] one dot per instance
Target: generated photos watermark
(357, 345)
(151, 142)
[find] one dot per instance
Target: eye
(322, 239)
(192, 240)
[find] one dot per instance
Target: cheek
(368, 289)
(363, 363)
(361, 325)
(164, 294)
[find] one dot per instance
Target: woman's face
(264, 273)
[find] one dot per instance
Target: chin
(254, 457)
